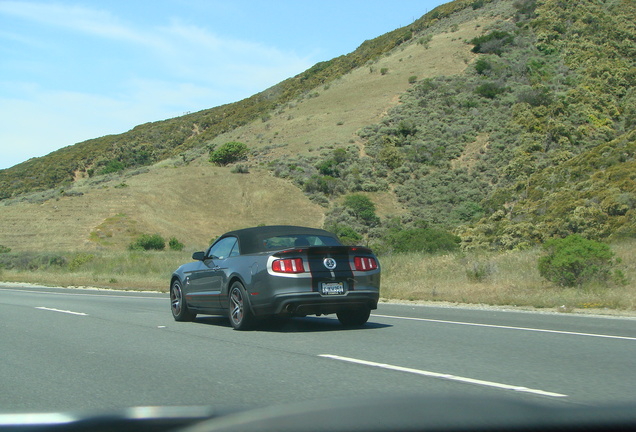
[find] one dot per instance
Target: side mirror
(198, 256)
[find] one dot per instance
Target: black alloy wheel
(179, 308)
(239, 311)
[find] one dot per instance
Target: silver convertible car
(277, 271)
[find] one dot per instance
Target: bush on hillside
(573, 261)
(148, 242)
(483, 66)
(493, 42)
(175, 244)
(346, 234)
(229, 152)
(489, 90)
(428, 240)
(324, 184)
(79, 260)
(362, 208)
(112, 166)
(240, 169)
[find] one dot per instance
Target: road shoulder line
(61, 311)
(508, 327)
(449, 377)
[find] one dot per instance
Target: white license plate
(332, 288)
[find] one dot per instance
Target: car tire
(239, 311)
(354, 317)
(178, 305)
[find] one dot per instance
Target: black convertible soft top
(251, 240)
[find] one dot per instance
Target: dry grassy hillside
(193, 204)
(198, 201)
(331, 115)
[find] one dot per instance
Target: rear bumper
(313, 303)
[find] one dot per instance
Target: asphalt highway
(78, 349)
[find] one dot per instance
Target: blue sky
(75, 70)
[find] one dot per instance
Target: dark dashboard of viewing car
(403, 413)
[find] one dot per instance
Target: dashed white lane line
(508, 327)
(444, 376)
(62, 311)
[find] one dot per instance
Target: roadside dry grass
(507, 279)
(129, 270)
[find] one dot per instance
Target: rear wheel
(180, 310)
(239, 313)
(354, 317)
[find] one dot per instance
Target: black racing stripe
(320, 273)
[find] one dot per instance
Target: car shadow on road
(314, 324)
(293, 325)
(218, 321)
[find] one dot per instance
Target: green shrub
(346, 234)
(229, 152)
(112, 166)
(325, 184)
(573, 261)
(175, 244)
(241, 169)
(489, 90)
(4, 249)
(482, 66)
(362, 208)
(78, 260)
(430, 240)
(328, 167)
(425, 41)
(493, 42)
(390, 156)
(148, 242)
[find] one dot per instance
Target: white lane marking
(62, 311)
(509, 327)
(444, 376)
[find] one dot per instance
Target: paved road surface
(66, 349)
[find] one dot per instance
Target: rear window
(301, 240)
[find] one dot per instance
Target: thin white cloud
(187, 51)
(176, 40)
(172, 68)
(23, 39)
(75, 18)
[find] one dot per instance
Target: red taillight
(289, 265)
(365, 263)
